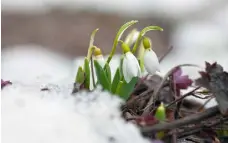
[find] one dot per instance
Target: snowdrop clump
(30, 114)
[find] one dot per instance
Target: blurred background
(198, 30)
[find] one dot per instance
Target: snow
(29, 115)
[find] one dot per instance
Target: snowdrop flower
(132, 37)
(130, 65)
(99, 57)
(150, 58)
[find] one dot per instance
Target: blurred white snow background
(29, 116)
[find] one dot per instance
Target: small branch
(155, 94)
(182, 97)
(206, 97)
(166, 53)
(195, 130)
(202, 107)
(183, 121)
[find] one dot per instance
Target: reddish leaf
(5, 83)
(146, 120)
(180, 81)
(215, 79)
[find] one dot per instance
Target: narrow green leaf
(140, 57)
(80, 77)
(101, 76)
(142, 33)
(118, 36)
(121, 65)
(127, 88)
(87, 73)
(118, 88)
(108, 72)
(91, 43)
(115, 81)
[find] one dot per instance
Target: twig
(195, 130)
(166, 53)
(206, 97)
(155, 94)
(202, 107)
(183, 121)
(182, 97)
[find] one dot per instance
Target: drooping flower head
(99, 57)
(130, 65)
(150, 58)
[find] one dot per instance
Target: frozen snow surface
(29, 115)
(33, 116)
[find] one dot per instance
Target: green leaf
(140, 57)
(121, 65)
(87, 73)
(118, 88)
(127, 88)
(92, 37)
(118, 36)
(80, 77)
(91, 43)
(142, 33)
(101, 76)
(115, 81)
(108, 72)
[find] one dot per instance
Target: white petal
(151, 61)
(100, 60)
(130, 67)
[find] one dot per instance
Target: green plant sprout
(130, 67)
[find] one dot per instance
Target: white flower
(130, 67)
(151, 62)
(132, 37)
(99, 57)
(100, 60)
(150, 58)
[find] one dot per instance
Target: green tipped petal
(125, 48)
(160, 113)
(146, 43)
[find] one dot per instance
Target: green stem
(92, 69)
(89, 54)
(118, 36)
(140, 57)
(142, 33)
